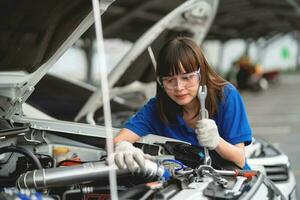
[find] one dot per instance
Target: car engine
(44, 164)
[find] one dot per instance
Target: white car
(54, 159)
(264, 157)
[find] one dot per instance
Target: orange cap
(60, 150)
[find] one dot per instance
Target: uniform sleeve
(140, 123)
(235, 127)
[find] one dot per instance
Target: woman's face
(182, 88)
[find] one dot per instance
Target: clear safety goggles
(184, 80)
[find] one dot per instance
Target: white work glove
(128, 156)
(207, 133)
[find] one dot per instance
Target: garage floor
(274, 115)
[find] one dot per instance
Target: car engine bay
(57, 165)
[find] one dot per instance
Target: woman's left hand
(207, 133)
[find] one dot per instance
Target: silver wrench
(202, 93)
(236, 190)
(209, 171)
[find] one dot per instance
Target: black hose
(24, 152)
(50, 157)
(131, 192)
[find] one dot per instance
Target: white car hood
(33, 37)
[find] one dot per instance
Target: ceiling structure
(235, 19)
(246, 19)
(252, 19)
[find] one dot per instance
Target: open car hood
(192, 18)
(34, 34)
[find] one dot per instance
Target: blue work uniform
(231, 120)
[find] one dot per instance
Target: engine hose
(24, 152)
(131, 192)
(181, 165)
(76, 174)
(63, 176)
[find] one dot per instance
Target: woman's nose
(179, 84)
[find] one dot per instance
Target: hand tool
(202, 93)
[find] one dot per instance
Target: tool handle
(202, 110)
(205, 115)
(245, 173)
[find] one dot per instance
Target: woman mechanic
(174, 111)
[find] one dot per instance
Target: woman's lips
(180, 96)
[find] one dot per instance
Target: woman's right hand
(128, 156)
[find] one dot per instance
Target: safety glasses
(184, 80)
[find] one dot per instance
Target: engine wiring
(77, 161)
(173, 161)
(24, 152)
(52, 160)
(9, 157)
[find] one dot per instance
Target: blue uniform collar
(180, 120)
(182, 123)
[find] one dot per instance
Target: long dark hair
(185, 52)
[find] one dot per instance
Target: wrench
(209, 171)
(237, 186)
(202, 93)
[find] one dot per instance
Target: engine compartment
(58, 165)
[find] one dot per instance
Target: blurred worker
(249, 75)
(245, 69)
